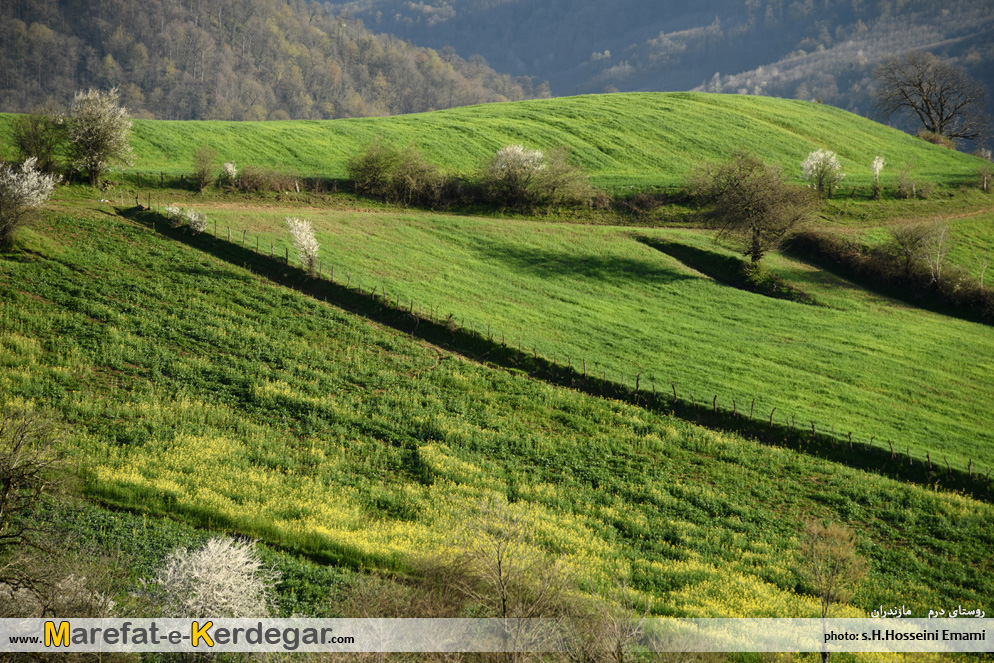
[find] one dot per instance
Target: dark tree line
(229, 60)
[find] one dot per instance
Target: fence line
(620, 389)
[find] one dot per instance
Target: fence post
(752, 407)
(771, 417)
(714, 404)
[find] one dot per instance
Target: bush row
(911, 266)
(516, 178)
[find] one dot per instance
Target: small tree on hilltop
(21, 189)
(750, 202)
(823, 172)
(97, 129)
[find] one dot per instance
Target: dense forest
(230, 60)
(807, 49)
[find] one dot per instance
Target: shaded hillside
(799, 48)
(228, 60)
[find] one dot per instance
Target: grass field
(195, 388)
(625, 141)
(858, 363)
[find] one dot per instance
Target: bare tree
(946, 99)
(750, 202)
(831, 565)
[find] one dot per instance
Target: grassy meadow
(197, 395)
(855, 363)
(193, 388)
(626, 141)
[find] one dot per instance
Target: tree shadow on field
(615, 270)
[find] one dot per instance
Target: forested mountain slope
(791, 48)
(228, 60)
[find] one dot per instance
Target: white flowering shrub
(174, 214)
(21, 189)
(197, 221)
(304, 241)
(225, 578)
(822, 171)
(229, 173)
(520, 178)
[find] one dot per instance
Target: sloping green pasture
(194, 388)
(625, 141)
(859, 363)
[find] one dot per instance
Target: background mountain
(808, 49)
(229, 59)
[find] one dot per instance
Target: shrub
(225, 578)
(229, 174)
(41, 136)
(197, 221)
(174, 215)
(399, 176)
(97, 129)
(255, 179)
(304, 241)
(936, 139)
(823, 172)
(522, 179)
(21, 189)
(509, 179)
(203, 166)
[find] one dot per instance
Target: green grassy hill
(624, 140)
(195, 388)
(858, 363)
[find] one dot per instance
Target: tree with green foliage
(97, 129)
(750, 202)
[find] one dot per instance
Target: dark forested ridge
(808, 49)
(229, 60)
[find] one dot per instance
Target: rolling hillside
(624, 140)
(195, 388)
(212, 381)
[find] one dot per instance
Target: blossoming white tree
(511, 173)
(225, 578)
(304, 241)
(21, 189)
(97, 128)
(822, 171)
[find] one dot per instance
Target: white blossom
(21, 189)
(517, 158)
(229, 172)
(304, 241)
(225, 578)
(174, 214)
(822, 171)
(196, 220)
(878, 165)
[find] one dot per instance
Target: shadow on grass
(603, 269)
(875, 456)
(730, 271)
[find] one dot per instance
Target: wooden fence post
(771, 417)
